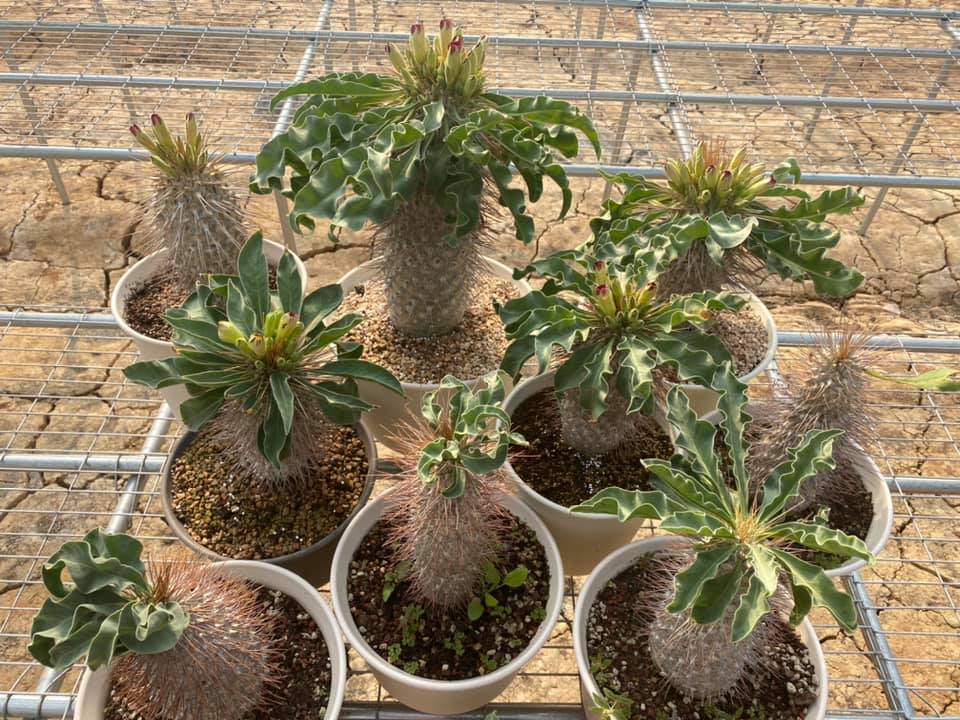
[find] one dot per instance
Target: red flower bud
(446, 24)
(599, 265)
(156, 119)
(602, 290)
(135, 130)
(456, 45)
(189, 116)
(727, 173)
(772, 181)
(711, 168)
(416, 28)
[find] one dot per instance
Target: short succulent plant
(717, 208)
(423, 154)
(192, 212)
(184, 640)
(744, 559)
(264, 366)
(446, 518)
(600, 307)
(831, 391)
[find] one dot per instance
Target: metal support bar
(315, 36)
(794, 8)
(901, 157)
(259, 86)
(883, 659)
(572, 169)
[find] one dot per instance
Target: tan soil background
(61, 389)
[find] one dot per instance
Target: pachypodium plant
(445, 518)
(423, 154)
(263, 366)
(600, 307)
(744, 562)
(192, 212)
(185, 640)
(721, 209)
(831, 391)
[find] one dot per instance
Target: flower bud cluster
(709, 181)
(176, 156)
(441, 67)
(278, 347)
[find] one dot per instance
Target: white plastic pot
(151, 348)
(440, 697)
(95, 686)
(619, 561)
(392, 410)
(881, 526)
(704, 400)
(584, 539)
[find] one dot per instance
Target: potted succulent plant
(703, 622)
(424, 155)
(277, 458)
(178, 639)
(446, 585)
(830, 390)
(722, 211)
(194, 224)
(591, 420)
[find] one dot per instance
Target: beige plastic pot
(440, 697)
(392, 410)
(704, 400)
(619, 561)
(881, 526)
(95, 686)
(312, 563)
(150, 348)
(584, 539)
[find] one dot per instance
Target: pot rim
(353, 277)
(118, 303)
(626, 555)
(341, 606)
(178, 529)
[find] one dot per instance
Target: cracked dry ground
(60, 391)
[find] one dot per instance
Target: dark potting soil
(850, 508)
(145, 306)
(561, 474)
(215, 500)
(782, 686)
(448, 645)
(304, 689)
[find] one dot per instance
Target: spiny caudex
(717, 207)
(743, 561)
(600, 308)
(423, 154)
(830, 390)
(445, 518)
(192, 212)
(263, 367)
(185, 640)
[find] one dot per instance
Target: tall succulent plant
(422, 154)
(185, 640)
(264, 366)
(600, 307)
(445, 518)
(192, 211)
(743, 558)
(718, 207)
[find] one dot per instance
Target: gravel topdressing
(472, 350)
(215, 500)
(745, 335)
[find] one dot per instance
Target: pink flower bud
(602, 290)
(772, 181)
(456, 45)
(599, 265)
(190, 117)
(711, 168)
(156, 119)
(727, 174)
(446, 24)
(416, 28)
(135, 130)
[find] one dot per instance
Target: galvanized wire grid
(80, 447)
(841, 86)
